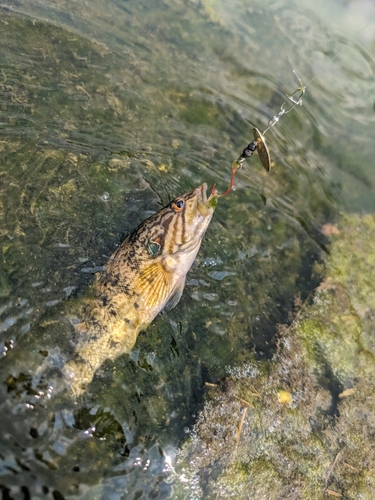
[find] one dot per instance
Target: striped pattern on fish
(145, 275)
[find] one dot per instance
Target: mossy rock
(303, 425)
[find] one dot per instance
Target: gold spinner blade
(262, 149)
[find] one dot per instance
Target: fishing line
(338, 53)
(259, 143)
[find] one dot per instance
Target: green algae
(303, 424)
(341, 321)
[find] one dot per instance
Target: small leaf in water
(284, 397)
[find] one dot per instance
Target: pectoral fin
(153, 284)
(176, 295)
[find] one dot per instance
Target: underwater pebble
(92, 270)
(211, 296)
(192, 282)
(25, 328)
(9, 305)
(68, 290)
(51, 303)
(5, 325)
(220, 275)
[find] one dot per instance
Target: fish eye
(178, 204)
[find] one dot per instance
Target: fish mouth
(204, 207)
(201, 192)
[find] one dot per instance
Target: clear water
(107, 111)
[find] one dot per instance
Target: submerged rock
(303, 424)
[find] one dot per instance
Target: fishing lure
(259, 143)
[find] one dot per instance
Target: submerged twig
(256, 393)
(331, 469)
(334, 493)
(239, 430)
(244, 400)
(354, 469)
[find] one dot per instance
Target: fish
(144, 276)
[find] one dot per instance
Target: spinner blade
(262, 149)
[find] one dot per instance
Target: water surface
(108, 111)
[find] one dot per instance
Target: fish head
(159, 253)
(184, 221)
(178, 227)
(172, 238)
